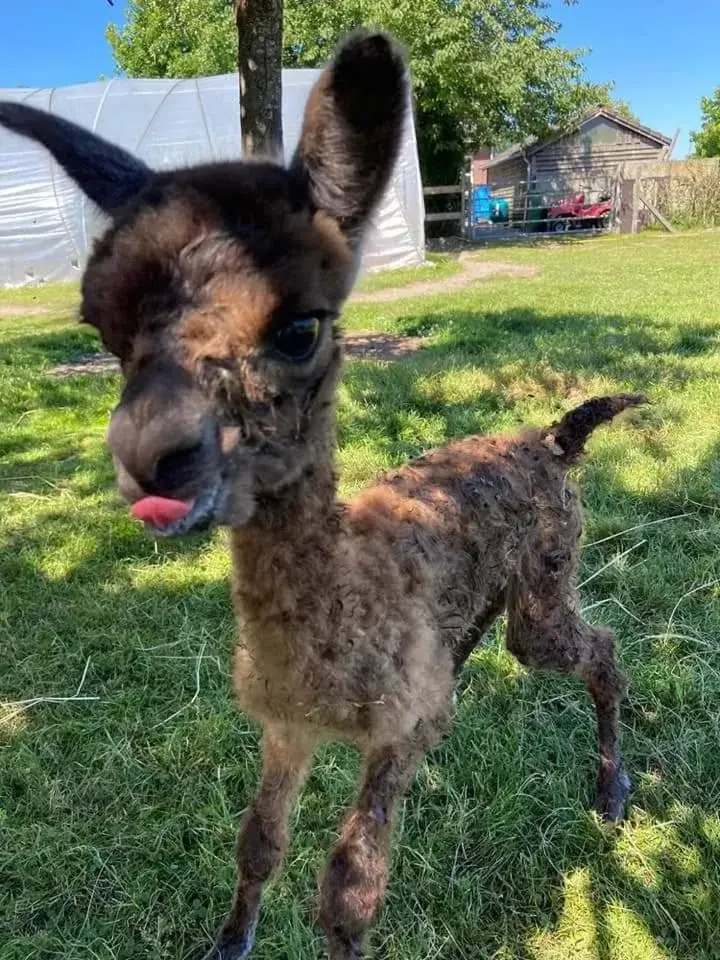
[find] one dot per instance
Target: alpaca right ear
(107, 174)
(353, 129)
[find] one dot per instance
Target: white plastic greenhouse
(47, 225)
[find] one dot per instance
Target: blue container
(480, 204)
(499, 210)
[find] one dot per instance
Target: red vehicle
(575, 214)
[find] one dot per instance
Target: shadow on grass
(74, 341)
(490, 371)
(121, 813)
(631, 349)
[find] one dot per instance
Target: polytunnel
(47, 225)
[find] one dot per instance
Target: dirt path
(92, 363)
(369, 345)
(360, 345)
(21, 310)
(472, 269)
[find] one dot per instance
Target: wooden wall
(589, 161)
(680, 169)
(507, 181)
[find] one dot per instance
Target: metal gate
(508, 210)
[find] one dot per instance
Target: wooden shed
(585, 159)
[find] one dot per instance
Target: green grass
(437, 267)
(118, 813)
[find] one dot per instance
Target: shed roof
(533, 145)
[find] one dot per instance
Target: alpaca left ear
(108, 175)
(353, 129)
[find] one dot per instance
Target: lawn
(436, 267)
(124, 766)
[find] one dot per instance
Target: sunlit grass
(117, 814)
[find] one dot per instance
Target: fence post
(464, 205)
(629, 206)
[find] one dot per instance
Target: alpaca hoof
(345, 948)
(613, 792)
(232, 944)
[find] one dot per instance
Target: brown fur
(355, 618)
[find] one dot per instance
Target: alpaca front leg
(354, 883)
(262, 840)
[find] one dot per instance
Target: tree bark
(259, 27)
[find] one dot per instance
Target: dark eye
(296, 341)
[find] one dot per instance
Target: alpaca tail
(567, 437)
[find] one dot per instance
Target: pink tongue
(160, 511)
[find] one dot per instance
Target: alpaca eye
(297, 340)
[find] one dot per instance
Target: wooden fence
(459, 191)
(673, 193)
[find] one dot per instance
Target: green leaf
(485, 72)
(707, 140)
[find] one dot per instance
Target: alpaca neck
(285, 555)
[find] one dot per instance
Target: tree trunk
(259, 27)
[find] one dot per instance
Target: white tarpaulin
(47, 225)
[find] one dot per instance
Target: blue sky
(661, 54)
(46, 43)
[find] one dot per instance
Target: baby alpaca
(218, 288)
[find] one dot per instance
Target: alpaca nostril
(179, 468)
(128, 487)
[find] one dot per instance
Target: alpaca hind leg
(605, 686)
(548, 633)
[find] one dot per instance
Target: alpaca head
(218, 288)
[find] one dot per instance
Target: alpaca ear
(353, 129)
(107, 174)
